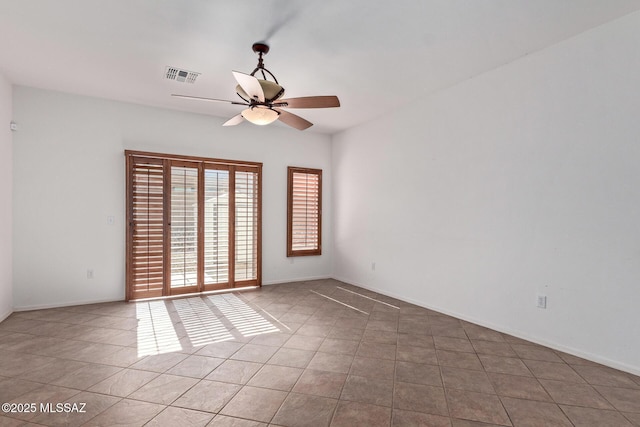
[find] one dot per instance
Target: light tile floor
(302, 354)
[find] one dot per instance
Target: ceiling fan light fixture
(263, 99)
(259, 115)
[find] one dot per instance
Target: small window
(304, 211)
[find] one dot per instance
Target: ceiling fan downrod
(262, 49)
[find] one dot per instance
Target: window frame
(291, 170)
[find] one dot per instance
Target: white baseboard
(300, 279)
(635, 370)
(65, 304)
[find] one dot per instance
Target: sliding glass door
(194, 224)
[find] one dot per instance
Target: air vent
(179, 75)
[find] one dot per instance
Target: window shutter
(246, 225)
(304, 229)
(216, 226)
(145, 266)
(184, 226)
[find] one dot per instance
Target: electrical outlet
(542, 301)
(373, 266)
(90, 273)
(111, 220)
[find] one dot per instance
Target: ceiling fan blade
(235, 120)
(293, 120)
(199, 98)
(250, 85)
(310, 102)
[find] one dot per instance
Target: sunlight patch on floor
(372, 299)
(245, 319)
(200, 324)
(339, 302)
(229, 318)
(156, 333)
(274, 318)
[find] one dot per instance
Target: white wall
(518, 182)
(69, 176)
(6, 180)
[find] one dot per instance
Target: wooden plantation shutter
(145, 239)
(216, 226)
(194, 224)
(247, 216)
(304, 211)
(184, 227)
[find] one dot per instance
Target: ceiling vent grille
(179, 75)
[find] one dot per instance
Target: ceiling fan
(263, 98)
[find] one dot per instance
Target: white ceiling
(374, 55)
